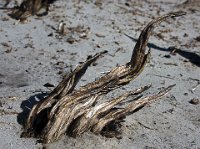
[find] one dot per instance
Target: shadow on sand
(190, 56)
(27, 105)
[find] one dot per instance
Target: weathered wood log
(74, 112)
(31, 7)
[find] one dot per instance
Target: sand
(33, 54)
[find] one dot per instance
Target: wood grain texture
(74, 112)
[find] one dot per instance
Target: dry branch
(31, 7)
(78, 111)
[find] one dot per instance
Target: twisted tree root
(78, 111)
(31, 7)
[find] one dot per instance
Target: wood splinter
(72, 111)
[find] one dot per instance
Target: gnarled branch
(78, 111)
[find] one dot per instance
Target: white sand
(29, 59)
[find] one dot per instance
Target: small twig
(194, 88)
(163, 76)
(5, 112)
(146, 126)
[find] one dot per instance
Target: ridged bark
(74, 112)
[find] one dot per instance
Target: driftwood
(74, 112)
(31, 7)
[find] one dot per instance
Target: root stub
(31, 7)
(74, 112)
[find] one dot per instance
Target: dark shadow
(51, 1)
(190, 56)
(27, 105)
(149, 45)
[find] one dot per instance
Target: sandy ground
(33, 54)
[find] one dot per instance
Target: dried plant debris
(191, 5)
(73, 34)
(31, 7)
(75, 111)
(194, 101)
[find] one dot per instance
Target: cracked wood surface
(66, 106)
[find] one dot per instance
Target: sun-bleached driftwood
(74, 112)
(31, 7)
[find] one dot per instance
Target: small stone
(167, 56)
(194, 101)
(71, 40)
(197, 38)
(50, 35)
(48, 85)
(185, 35)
